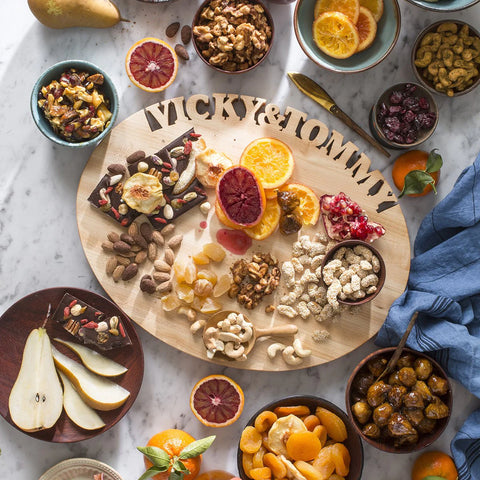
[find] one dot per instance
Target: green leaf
(433, 477)
(174, 475)
(415, 182)
(434, 162)
(150, 473)
(157, 456)
(180, 467)
(196, 448)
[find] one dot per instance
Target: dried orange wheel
(336, 35)
(151, 64)
(268, 223)
(217, 401)
(350, 8)
(367, 28)
(375, 6)
(270, 160)
(309, 207)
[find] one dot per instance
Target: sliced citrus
(350, 8)
(268, 223)
(367, 28)
(375, 6)
(270, 160)
(223, 218)
(240, 196)
(309, 207)
(270, 193)
(217, 401)
(336, 35)
(151, 64)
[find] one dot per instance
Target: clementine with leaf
(434, 464)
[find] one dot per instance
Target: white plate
(80, 469)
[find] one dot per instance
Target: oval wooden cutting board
(324, 160)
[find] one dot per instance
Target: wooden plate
(27, 314)
(325, 161)
(80, 469)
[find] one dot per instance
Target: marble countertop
(40, 247)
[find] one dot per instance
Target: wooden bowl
(425, 439)
(353, 442)
(195, 22)
(381, 275)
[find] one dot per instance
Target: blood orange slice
(240, 196)
(217, 401)
(151, 64)
(367, 28)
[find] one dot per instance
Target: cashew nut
(247, 333)
(290, 357)
(197, 326)
(228, 337)
(274, 348)
(233, 351)
(299, 350)
(210, 338)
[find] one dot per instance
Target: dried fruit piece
(263, 473)
(268, 223)
(309, 205)
(201, 258)
(281, 430)
(308, 470)
(321, 432)
(350, 8)
(324, 463)
(222, 286)
(303, 446)
(311, 421)
(367, 28)
(298, 410)
(333, 423)
(277, 467)
(247, 463)
(341, 458)
(250, 441)
(265, 420)
(258, 457)
(214, 251)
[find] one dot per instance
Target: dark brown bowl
(381, 274)
(425, 439)
(353, 442)
(198, 50)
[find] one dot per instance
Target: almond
(118, 272)
(175, 241)
(140, 240)
(113, 237)
(169, 256)
(147, 284)
(181, 52)
(133, 229)
(120, 247)
(157, 237)
(164, 287)
(125, 237)
(147, 231)
(125, 261)
(116, 169)
(161, 277)
(161, 266)
(130, 272)
(152, 251)
(140, 257)
(172, 29)
(111, 265)
(186, 34)
(167, 229)
(136, 156)
(107, 246)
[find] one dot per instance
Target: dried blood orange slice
(151, 64)
(217, 401)
(367, 28)
(375, 6)
(268, 223)
(240, 196)
(350, 8)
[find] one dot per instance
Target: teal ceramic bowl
(388, 29)
(444, 5)
(53, 73)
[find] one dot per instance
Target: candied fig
(290, 223)
(371, 430)
(395, 396)
(407, 376)
(398, 426)
(437, 409)
(426, 425)
(406, 440)
(377, 366)
(422, 388)
(438, 385)
(406, 360)
(393, 379)
(423, 368)
(362, 411)
(362, 382)
(377, 393)
(414, 415)
(413, 400)
(287, 201)
(382, 414)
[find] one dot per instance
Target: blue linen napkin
(444, 287)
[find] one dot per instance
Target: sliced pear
(94, 361)
(77, 410)
(36, 398)
(97, 392)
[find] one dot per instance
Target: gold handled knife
(313, 90)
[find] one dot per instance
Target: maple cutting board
(324, 161)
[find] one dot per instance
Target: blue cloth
(444, 287)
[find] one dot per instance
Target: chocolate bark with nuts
(89, 325)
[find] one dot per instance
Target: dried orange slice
(268, 223)
(223, 218)
(151, 64)
(375, 6)
(217, 401)
(367, 28)
(270, 160)
(309, 207)
(336, 35)
(350, 8)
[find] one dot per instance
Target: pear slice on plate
(94, 361)
(96, 391)
(77, 410)
(36, 398)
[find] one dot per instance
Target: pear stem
(124, 20)
(48, 315)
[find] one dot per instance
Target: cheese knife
(313, 90)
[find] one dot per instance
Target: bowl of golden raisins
(301, 436)
(405, 410)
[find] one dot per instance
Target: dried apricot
(308, 471)
(333, 423)
(264, 421)
(277, 467)
(341, 458)
(311, 421)
(263, 473)
(247, 463)
(324, 463)
(297, 410)
(335, 477)
(258, 457)
(250, 441)
(321, 432)
(303, 446)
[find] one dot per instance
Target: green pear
(75, 13)
(97, 392)
(36, 398)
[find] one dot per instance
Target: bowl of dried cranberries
(404, 116)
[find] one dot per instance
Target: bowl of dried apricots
(301, 436)
(347, 36)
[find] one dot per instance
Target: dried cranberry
(396, 97)
(395, 109)
(423, 103)
(409, 88)
(393, 124)
(388, 134)
(408, 116)
(411, 137)
(399, 138)
(411, 103)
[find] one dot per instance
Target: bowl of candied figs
(301, 436)
(407, 409)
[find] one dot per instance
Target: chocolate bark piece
(89, 325)
(108, 198)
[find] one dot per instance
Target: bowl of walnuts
(232, 37)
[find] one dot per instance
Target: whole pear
(75, 13)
